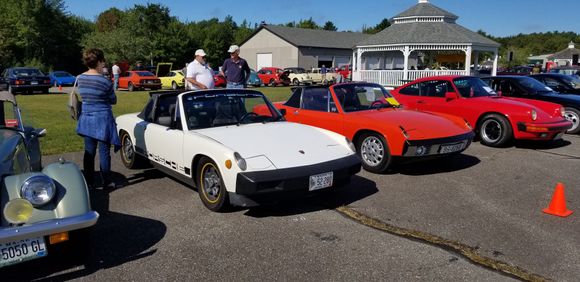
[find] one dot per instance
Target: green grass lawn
(49, 111)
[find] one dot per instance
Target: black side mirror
(283, 112)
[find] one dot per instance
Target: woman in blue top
(96, 122)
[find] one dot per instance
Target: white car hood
(280, 144)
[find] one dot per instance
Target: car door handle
(420, 102)
(296, 112)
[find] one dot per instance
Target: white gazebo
(423, 33)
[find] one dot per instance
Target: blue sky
(497, 17)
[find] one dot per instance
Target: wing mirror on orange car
(450, 96)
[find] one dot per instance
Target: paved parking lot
(486, 200)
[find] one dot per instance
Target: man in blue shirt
(235, 69)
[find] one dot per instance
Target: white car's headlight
(38, 190)
(240, 161)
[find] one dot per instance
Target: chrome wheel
(173, 85)
(491, 131)
(128, 150)
(573, 117)
(211, 184)
(372, 151)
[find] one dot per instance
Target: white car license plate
(34, 83)
(320, 181)
(23, 250)
(445, 149)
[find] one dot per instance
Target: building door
(264, 60)
(325, 61)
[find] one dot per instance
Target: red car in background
(345, 71)
(274, 76)
(496, 119)
(135, 80)
(219, 80)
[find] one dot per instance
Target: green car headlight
(38, 190)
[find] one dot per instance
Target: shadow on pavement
(359, 188)
(115, 239)
(436, 165)
(541, 145)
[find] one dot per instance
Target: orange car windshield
(362, 97)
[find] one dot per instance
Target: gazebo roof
(566, 54)
(425, 9)
(427, 32)
(426, 23)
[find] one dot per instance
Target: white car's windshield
(214, 110)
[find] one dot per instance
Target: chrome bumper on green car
(45, 228)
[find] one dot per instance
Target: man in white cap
(235, 69)
(199, 76)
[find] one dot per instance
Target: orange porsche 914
(368, 115)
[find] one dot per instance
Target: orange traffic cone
(558, 204)
(59, 87)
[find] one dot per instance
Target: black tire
(573, 115)
(129, 156)
(272, 83)
(173, 85)
(495, 131)
(215, 198)
(296, 82)
(367, 146)
(131, 87)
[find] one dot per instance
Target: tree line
(41, 33)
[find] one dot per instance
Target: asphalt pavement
(486, 201)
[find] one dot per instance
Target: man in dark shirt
(235, 69)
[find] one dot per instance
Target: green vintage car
(41, 208)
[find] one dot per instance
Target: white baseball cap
(233, 48)
(200, 52)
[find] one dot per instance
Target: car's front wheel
(495, 131)
(131, 87)
(573, 115)
(374, 152)
(296, 82)
(173, 85)
(210, 185)
(129, 156)
(272, 83)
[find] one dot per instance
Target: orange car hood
(419, 125)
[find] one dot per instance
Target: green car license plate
(23, 250)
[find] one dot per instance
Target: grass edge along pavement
(50, 111)
(468, 252)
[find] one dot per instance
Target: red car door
(319, 109)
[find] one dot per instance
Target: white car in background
(317, 77)
(298, 76)
(212, 139)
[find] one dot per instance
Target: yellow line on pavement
(466, 251)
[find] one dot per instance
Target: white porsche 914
(213, 140)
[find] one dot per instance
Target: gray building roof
(427, 32)
(566, 54)
(301, 37)
(425, 10)
(418, 30)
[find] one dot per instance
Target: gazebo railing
(394, 78)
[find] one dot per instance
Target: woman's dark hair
(92, 57)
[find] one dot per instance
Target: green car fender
(71, 197)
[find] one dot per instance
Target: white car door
(164, 137)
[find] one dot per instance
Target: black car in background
(24, 80)
(529, 88)
(567, 84)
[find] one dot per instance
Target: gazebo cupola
(397, 53)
